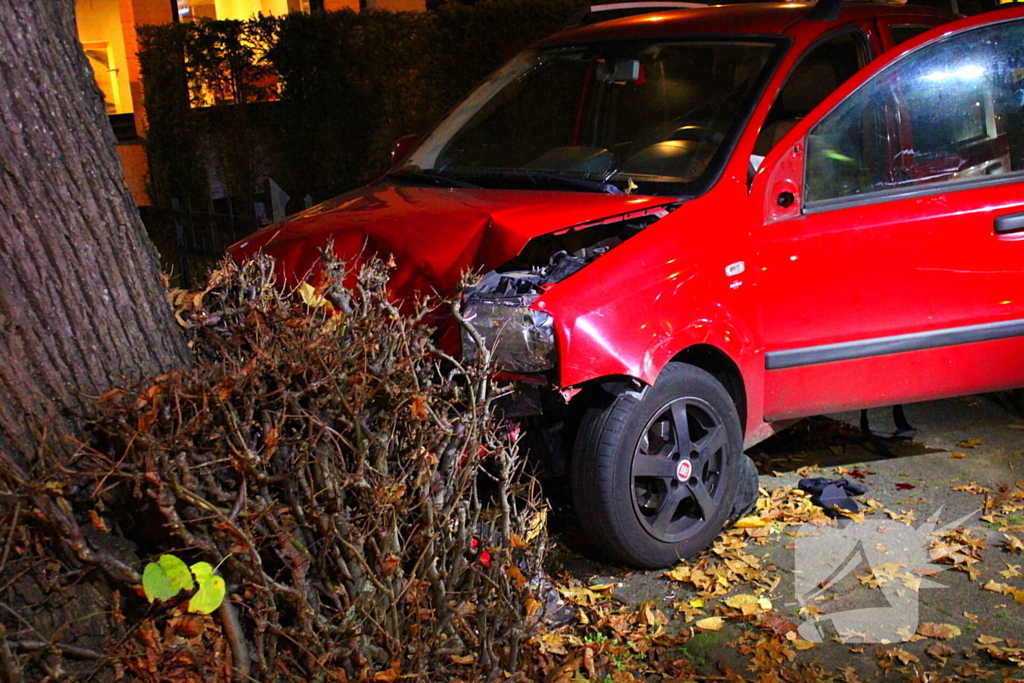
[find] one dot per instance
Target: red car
(695, 226)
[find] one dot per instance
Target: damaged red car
(696, 226)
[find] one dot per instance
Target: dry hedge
(367, 509)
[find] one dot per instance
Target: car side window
(948, 112)
(814, 78)
(901, 33)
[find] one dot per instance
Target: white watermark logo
(887, 555)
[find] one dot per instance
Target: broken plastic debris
(834, 496)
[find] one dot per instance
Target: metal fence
(203, 234)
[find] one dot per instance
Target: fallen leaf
(969, 443)
(187, 625)
(905, 516)
(938, 631)
(970, 671)
(588, 663)
(681, 573)
(940, 651)
(391, 675)
(532, 606)
(390, 563)
(974, 487)
(313, 299)
(997, 587)
(1006, 654)
(538, 523)
(516, 575)
(418, 408)
(566, 672)
(957, 454)
(602, 587)
(778, 625)
(649, 615)
(740, 601)
(97, 521)
(710, 624)
(552, 643)
(587, 596)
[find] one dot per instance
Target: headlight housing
(498, 306)
(519, 339)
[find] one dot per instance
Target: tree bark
(81, 304)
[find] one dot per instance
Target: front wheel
(655, 474)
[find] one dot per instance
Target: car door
(892, 250)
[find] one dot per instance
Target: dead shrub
(368, 511)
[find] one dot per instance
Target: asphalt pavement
(928, 583)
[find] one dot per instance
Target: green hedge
(314, 101)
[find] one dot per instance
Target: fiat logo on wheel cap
(683, 470)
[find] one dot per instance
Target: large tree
(81, 305)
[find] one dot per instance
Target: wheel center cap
(683, 470)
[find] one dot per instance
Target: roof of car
(760, 18)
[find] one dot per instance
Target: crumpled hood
(434, 234)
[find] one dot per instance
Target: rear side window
(945, 113)
(903, 33)
(814, 78)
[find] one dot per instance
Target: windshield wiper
(429, 178)
(547, 179)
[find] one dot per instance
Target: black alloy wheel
(655, 473)
(677, 469)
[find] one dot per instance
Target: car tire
(655, 473)
(747, 490)
(1016, 399)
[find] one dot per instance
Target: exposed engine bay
(565, 253)
(517, 338)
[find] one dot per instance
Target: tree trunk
(81, 304)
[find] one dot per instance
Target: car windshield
(614, 117)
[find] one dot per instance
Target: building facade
(107, 29)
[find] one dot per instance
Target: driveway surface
(926, 583)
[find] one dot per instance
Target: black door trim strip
(884, 346)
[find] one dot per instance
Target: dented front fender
(670, 288)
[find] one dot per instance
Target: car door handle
(1010, 223)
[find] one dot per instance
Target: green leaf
(177, 572)
(155, 583)
(211, 589)
(165, 578)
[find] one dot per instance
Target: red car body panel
(434, 234)
(899, 378)
(880, 270)
(663, 291)
(732, 269)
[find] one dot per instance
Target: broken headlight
(498, 306)
(498, 310)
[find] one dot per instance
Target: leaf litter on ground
(732, 585)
